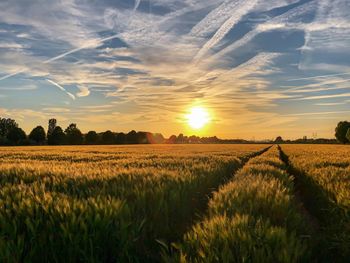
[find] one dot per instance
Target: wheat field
(174, 203)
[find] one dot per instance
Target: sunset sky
(259, 68)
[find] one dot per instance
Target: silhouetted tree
(157, 138)
(172, 139)
(180, 138)
(348, 135)
(91, 137)
(108, 137)
(52, 126)
(16, 136)
(73, 134)
(57, 136)
(132, 137)
(6, 125)
(37, 135)
(278, 139)
(142, 138)
(120, 138)
(193, 139)
(341, 130)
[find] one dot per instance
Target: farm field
(106, 203)
(174, 203)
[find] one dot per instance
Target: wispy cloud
(237, 9)
(318, 97)
(248, 61)
(84, 91)
(320, 76)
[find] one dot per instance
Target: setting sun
(198, 117)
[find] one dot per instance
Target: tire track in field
(301, 191)
(202, 210)
(316, 207)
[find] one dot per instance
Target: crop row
(111, 209)
(253, 218)
(324, 177)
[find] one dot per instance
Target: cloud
(320, 76)
(20, 88)
(237, 10)
(318, 97)
(275, 23)
(11, 45)
(138, 61)
(92, 44)
(270, 26)
(330, 104)
(55, 110)
(84, 91)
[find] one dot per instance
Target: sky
(261, 68)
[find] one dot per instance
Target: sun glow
(198, 117)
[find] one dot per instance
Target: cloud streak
(61, 88)
(238, 10)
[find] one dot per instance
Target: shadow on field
(330, 242)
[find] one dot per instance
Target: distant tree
(37, 135)
(172, 139)
(341, 130)
(348, 135)
(57, 136)
(108, 137)
(180, 138)
(52, 126)
(120, 138)
(278, 139)
(50, 129)
(91, 137)
(142, 138)
(132, 137)
(16, 136)
(157, 138)
(6, 125)
(193, 139)
(73, 134)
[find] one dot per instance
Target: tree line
(342, 132)
(12, 134)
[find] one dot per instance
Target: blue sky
(262, 68)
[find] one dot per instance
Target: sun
(198, 117)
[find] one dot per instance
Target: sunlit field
(107, 203)
(323, 177)
(174, 203)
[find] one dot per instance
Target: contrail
(280, 19)
(320, 76)
(13, 74)
(137, 3)
(61, 88)
(225, 28)
(90, 45)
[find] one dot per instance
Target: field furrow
(255, 217)
(106, 204)
(322, 176)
